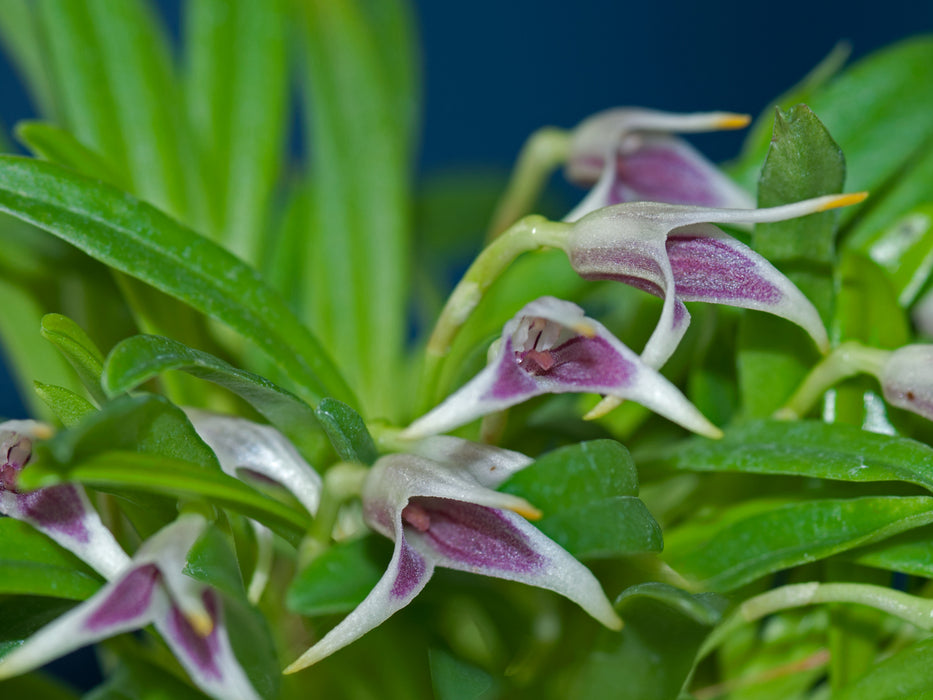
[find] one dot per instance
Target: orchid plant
(674, 442)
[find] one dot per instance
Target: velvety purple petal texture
(127, 603)
(410, 572)
(56, 509)
(712, 269)
(477, 536)
(200, 651)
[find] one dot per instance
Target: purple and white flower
(676, 253)
(440, 509)
(906, 377)
(150, 588)
(630, 154)
(551, 347)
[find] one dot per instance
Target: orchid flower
(905, 375)
(676, 253)
(445, 513)
(149, 588)
(551, 347)
(631, 155)
(245, 448)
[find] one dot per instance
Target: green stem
(544, 150)
(342, 482)
(917, 611)
(530, 233)
(845, 361)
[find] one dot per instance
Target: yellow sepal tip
(844, 200)
(733, 121)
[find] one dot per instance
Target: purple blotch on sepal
(128, 602)
(201, 651)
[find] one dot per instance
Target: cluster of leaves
(162, 222)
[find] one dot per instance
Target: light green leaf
(907, 674)
(78, 349)
(753, 539)
(588, 496)
(910, 553)
(236, 90)
(57, 145)
(33, 564)
(70, 408)
(134, 238)
(19, 31)
(339, 579)
(142, 357)
(455, 679)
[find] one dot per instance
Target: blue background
(494, 71)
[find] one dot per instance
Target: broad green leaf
(347, 432)
(142, 357)
(904, 249)
(339, 579)
(57, 145)
(36, 685)
(138, 675)
(653, 655)
(24, 614)
(360, 139)
(910, 553)
(803, 161)
(806, 448)
(129, 472)
(213, 562)
(27, 357)
(757, 538)
(907, 674)
(137, 239)
(78, 349)
(33, 564)
(588, 496)
(236, 89)
(70, 408)
(455, 679)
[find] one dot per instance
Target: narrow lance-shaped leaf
(79, 350)
(141, 241)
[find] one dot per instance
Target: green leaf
(236, 89)
(653, 655)
(347, 432)
(23, 615)
(142, 357)
(753, 539)
(806, 448)
(137, 675)
(588, 495)
(33, 564)
(29, 359)
(803, 162)
(909, 553)
(904, 249)
(20, 33)
(35, 685)
(78, 349)
(130, 472)
(70, 408)
(360, 87)
(137, 239)
(339, 579)
(212, 561)
(907, 674)
(57, 145)
(455, 679)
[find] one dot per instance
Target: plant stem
(342, 482)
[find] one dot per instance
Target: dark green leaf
(753, 539)
(588, 495)
(70, 408)
(22, 615)
(347, 432)
(138, 676)
(907, 674)
(653, 655)
(35, 685)
(78, 349)
(33, 564)
(808, 448)
(455, 679)
(137, 359)
(134, 238)
(803, 161)
(909, 553)
(339, 579)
